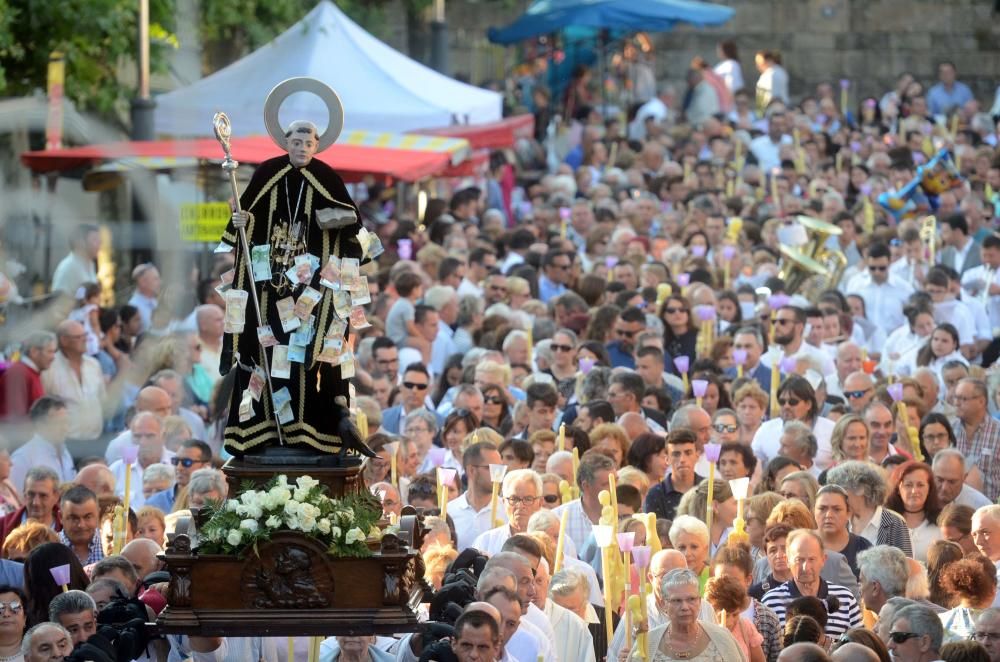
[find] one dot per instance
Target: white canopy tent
(381, 89)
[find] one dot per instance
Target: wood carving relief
(287, 576)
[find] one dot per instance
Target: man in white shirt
(949, 467)
(78, 380)
(147, 433)
(77, 267)
(847, 360)
(481, 262)
(789, 342)
(767, 148)
(444, 300)
(152, 399)
(961, 252)
(573, 638)
(656, 110)
(977, 280)
(513, 571)
(46, 448)
(949, 309)
(884, 295)
(147, 288)
(522, 498)
(210, 321)
(773, 81)
(470, 512)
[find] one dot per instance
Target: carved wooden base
(290, 586)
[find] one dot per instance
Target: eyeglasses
(517, 501)
(903, 637)
(722, 427)
(624, 333)
(14, 606)
(414, 385)
(417, 430)
(673, 311)
(493, 400)
(551, 498)
(185, 462)
(780, 320)
(790, 402)
(986, 636)
(854, 395)
(561, 348)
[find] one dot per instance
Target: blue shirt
(11, 573)
(95, 552)
(941, 101)
(619, 357)
(548, 289)
(163, 500)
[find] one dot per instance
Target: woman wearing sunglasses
(680, 334)
(797, 400)
(725, 426)
(12, 622)
(496, 409)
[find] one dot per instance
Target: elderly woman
(206, 485)
(689, 536)
(797, 442)
(799, 485)
(420, 426)
(695, 503)
(973, 581)
(750, 402)
(867, 490)
(725, 426)
(798, 403)
(354, 649)
(913, 494)
(684, 637)
(156, 478)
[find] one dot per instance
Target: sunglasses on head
(791, 402)
(185, 462)
(414, 385)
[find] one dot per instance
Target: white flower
(273, 522)
(232, 505)
(250, 525)
(306, 482)
(336, 532)
(324, 526)
(278, 496)
(300, 494)
(292, 507)
(355, 535)
(234, 537)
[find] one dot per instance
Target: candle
(291, 649)
(393, 448)
(635, 615)
(129, 455)
(728, 253)
(844, 85)
(712, 455)
(362, 424)
(739, 536)
(576, 467)
(564, 216)
(740, 359)
(562, 437)
(120, 529)
(531, 342)
(613, 492)
(561, 544)
(663, 291)
(602, 536)
(641, 555)
(497, 472)
(61, 574)
(683, 363)
(775, 198)
(775, 377)
(626, 541)
(565, 492)
(699, 387)
(447, 479)
(896, 393)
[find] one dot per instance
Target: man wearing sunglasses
(884, 294)
(630, 323)
(859, 390)
(790, 342)
(413, 395)
(191, 456)
(916, 635)
(555, 273)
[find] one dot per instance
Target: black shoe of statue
(350, 438)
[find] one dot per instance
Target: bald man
(152, 399)
(662, 562)
(852, 652)
(803, 652)
(634, 424)
(141, 553)
(97, 478)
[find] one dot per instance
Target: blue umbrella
(547, 16)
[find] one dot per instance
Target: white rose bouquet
(241, 523)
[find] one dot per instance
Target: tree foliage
(95, 36)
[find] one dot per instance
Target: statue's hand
(241, 218)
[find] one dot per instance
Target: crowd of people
(653, 310)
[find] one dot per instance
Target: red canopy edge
(493, 135)
(353, 162)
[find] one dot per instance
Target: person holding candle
(81, 519)
(750, 401)
(734, 563)
(680, 332)
(470, 512)
(690, 537)
(695, 503)
(522, 497)
(591, 477)
(715, 396)
(749, 342)
(683, 636)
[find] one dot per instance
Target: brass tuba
(813, 268)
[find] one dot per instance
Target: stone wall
(867, 41)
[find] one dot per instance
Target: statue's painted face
(301, 147)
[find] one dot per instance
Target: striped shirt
(847, 616)
(578, 525)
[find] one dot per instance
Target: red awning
(495, 135)
(352, 162)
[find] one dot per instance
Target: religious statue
(299, 244)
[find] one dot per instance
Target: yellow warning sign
(204, 221)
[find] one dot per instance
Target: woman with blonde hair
(152, 524)
(612, 437)
(638, 479)
(849, 439)
(695, 503)
(794, 513)
(25, 538)
(436, 560)
(750, 402)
